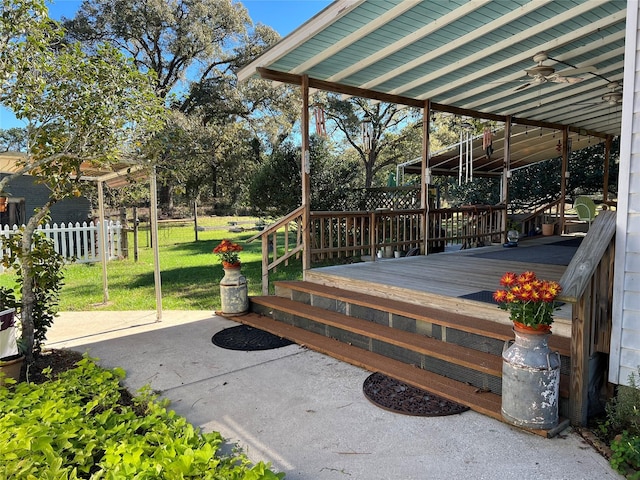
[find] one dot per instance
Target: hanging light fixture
(367, 133)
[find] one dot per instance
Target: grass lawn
(190, 272)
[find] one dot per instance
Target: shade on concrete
(305, 412)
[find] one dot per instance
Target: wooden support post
(506, 174)
(265, 264)
(425, 177)
(306, 181)
(580, 341)
(563, 179)
(607, 160)
(195, 219)
(135, 234)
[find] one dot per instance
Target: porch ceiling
(468, 57)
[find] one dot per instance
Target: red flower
(228, 251)
(529, 300)
(508, 279)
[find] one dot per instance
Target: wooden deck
(439, 280)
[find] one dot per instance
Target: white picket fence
(77, 242)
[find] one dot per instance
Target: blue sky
(284, 16)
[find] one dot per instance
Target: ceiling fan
(612, 98)
(542, 73)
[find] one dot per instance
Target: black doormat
(544, 254)
(398, 397)
(244, 337)
(486, 296)
(572, 242)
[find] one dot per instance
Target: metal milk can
(530, 381)
(234, 298)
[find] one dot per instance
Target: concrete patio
(305, 412)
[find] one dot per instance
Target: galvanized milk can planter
(530, 380)
(234, 297)
(530, 370)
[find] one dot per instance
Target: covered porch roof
(471, 58)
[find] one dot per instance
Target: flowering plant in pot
(11, 353)
(529, 300)
(228, 252)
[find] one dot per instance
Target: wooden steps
(484, 402)
(455, 356)
(437, 316)
(466, 357)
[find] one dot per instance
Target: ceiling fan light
(612, 98)
(543, 70)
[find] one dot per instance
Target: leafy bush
(80, 426)
(45, 267)
(623, 422)
(623, 411)
(625, 456)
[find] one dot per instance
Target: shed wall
(36, 195)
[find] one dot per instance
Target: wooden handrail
(584, 263)
(274, 227)
(539, 210)
(587, 284)
(272, 230)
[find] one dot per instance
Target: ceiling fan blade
(555, 78)
(537, 80)
(524, 87)
(570, 72)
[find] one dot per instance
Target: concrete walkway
(305, 412)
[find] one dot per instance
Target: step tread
(466, 357)
(432, 315)
(483, 402)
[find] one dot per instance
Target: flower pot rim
(540, 328)
(231, 265)
(11, 359)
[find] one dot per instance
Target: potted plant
(530, 371)
(11, 358)
(233, 286)
(229, 253)
(529, 301)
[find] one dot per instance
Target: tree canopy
(79, 107)
(194, 47)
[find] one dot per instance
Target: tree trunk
(28, 297)
(166, 197)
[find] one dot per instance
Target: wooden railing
(468, 227)
(280, 241)
(548, 214)
(336, 235)
(588, 285)
(349, 234)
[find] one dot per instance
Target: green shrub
(623, 422)
(625, 456)
(80, 426)
(623, 411)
